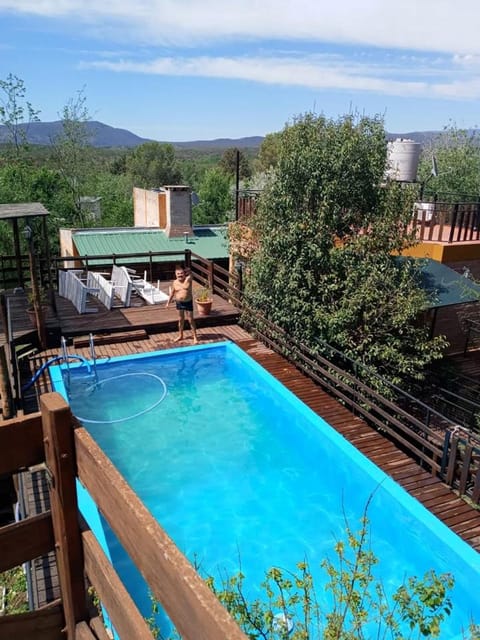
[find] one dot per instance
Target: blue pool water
(234, 467)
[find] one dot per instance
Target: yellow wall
(441, 252)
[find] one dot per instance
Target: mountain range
(102, 135)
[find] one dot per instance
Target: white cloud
(314, 72)
(425, 25)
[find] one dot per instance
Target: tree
(26, 182)
(228, 163)
(16, 113)
(115, 192)
(269, 151)
(215, 199)
(153, 164)
(328, 233)
(457, 164)
(72, 152)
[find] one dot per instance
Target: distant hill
(417, 136)
(427, 136)
(102, 135)
(222, 143)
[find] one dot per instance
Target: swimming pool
(234, 467)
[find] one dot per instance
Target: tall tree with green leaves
(456, 153)
(16, 113)
(215, 200)
(115, 192)
(328, 232)
(72, 152)
(154, 164)
(269, 152)
(228, 163)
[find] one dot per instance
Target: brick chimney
(178, 211)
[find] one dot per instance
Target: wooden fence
(54, 438)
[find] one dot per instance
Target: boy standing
(182, 292)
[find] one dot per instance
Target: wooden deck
(462, 518)
(66, 321)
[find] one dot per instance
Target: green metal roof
(209, 242)
(446, 286)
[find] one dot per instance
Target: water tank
(402, 160)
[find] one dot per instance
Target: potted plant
(203, 298)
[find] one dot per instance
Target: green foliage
(203, 294)
(228, 163)
(357, 608)
(118, 165)
(115, 192)
(16, 111)
(153, 164)
(15, 583)
(21, 181)
(215, 198)
(72, 153)
(328, 232)
(269, 152)
(457, 155)
(353, 606)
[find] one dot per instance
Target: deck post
(453, 223)
(210, 275)
(446, 444)
(60, 459)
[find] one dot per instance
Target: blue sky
(175, 70)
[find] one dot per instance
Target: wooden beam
(21, 443)
(98, 628)
(83, 632)
(60, 457)
(26, 540)
(466, 468)
(452, 460)
(192, 607)
(476, 488)
(125, 617)
(18, 255)
(42, 624)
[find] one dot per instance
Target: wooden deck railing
(54, 438)
(224, 283)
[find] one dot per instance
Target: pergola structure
(25, 211)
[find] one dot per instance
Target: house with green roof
(162, 225)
